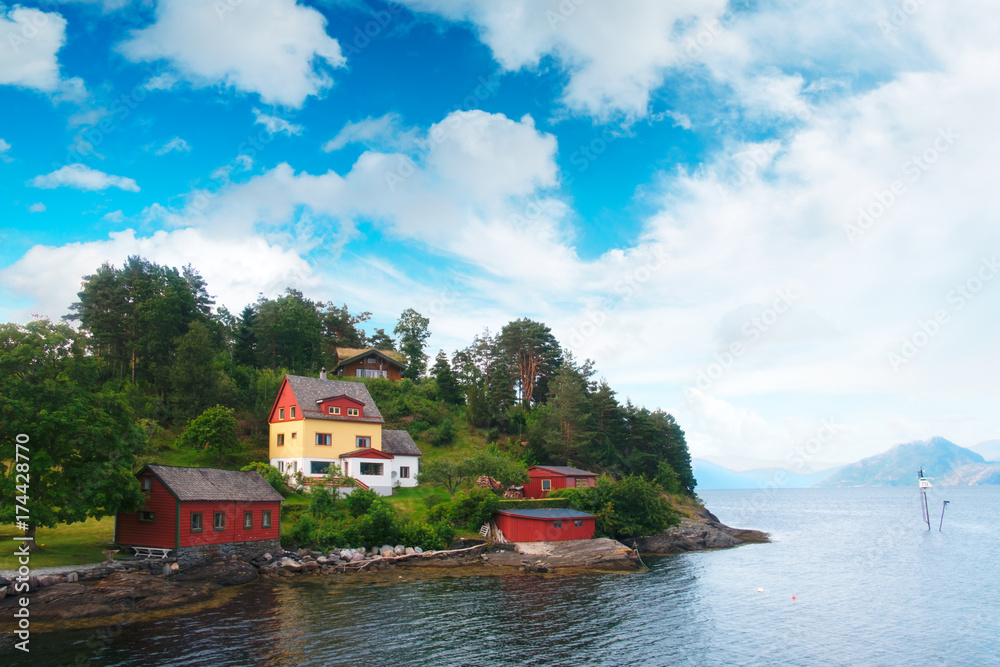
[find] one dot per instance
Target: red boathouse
(189, 509)
(546, 525)
(547, 478)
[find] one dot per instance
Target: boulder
(388, 553)
(356, 557)
(72, 577)
(410, 550)
(322, 560)
(175, 567)
(268, 557)
(311, 566)
(417, 550)
(399, 549)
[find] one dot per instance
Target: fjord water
(871, 586)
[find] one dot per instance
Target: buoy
(793, 597)
(760, 590)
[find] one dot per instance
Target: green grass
(66, 544)
(409, 502)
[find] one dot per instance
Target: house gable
(341, 405)
(285, 402)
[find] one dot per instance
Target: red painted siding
(160, 533)
(534, 487)
(234, 531)
(343, 402)
(524, 529)
(286, 401)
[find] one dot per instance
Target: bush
(426, 536)
(322, 503)
(272, 475)
(378, 525)
(536, 503)
(303, 533)
(443, 434)
(360, 501)
(417, 427)
(474, 508)
(630, 507)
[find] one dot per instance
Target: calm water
(872, 587)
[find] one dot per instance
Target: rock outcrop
(703, 532)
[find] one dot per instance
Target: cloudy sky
(776, 220)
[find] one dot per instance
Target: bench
(150, 552)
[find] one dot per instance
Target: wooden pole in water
(943, 505)
(927, 511)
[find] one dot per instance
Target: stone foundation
(245, 551)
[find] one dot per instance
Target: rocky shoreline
(704, 532)
(154, 584)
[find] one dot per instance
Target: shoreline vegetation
(114, 592)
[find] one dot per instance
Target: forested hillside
(147, 365)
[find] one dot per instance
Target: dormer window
(352, 412)
(333, 410)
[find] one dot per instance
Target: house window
(220, 521)
(324, 439)
(360, 373)
(557, 524)
(404, 472)
(265, 519)
(295, 434)
(281, 466)
(248, 520)
(546, 484)
(281, 439)
(578, 523)
(319, 467)
(147, 517)
(147, 483)
(291, 412)
(333, 410)
(352, 412)
(197, 522)
(346, 468)
(371, 360)
(371, 469)
(281, 413)
(581, 483)
(363, 441)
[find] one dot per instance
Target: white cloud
(4, 148)
(30, 40)
(113, 216)
(275, 124)
(107, 6)
(385, 133)
(275, 48)
(37, 208)
(82, 177)
(50, 276)
(164, 81)
(175, 144)
(615, 53)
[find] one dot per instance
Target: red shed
(547, 478)
(546, 525)
(195, 507)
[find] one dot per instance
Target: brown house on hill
(369, 363)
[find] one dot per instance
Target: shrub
(303, 533)
(360, 501)
(272, 475)
(378, 525)
(322, 503)
(475, 507)
(443, 434)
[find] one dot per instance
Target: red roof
(366, 453)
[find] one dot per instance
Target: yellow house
(315, 422)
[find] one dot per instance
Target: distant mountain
(990, 450)
(939, 458)
(974, 474)
(713, 476)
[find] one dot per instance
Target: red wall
(534, 486)
(342, 402)
(286, 399)
(523, 529)
(160, 533)
(234, 531)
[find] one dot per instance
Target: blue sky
(762, 217)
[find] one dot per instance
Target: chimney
(322, 374)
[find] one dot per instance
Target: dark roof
(399, 443)
(214, 484)
(310, 390)
(548, 513)
(566, 470)
(348, 354)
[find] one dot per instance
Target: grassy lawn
(66, 544)
(409, 502)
